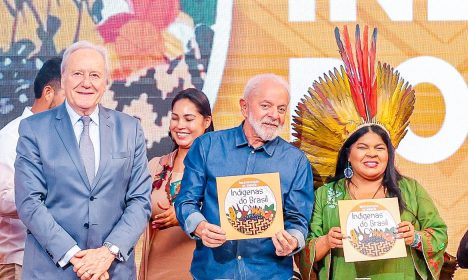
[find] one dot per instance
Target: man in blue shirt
(251, 148)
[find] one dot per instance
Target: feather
(336, 104)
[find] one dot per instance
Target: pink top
(167, 253)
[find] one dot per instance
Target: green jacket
(421, 212)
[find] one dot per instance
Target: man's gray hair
(86, 45)
(258, 80)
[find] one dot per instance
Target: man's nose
(273, 113)
(86, 81)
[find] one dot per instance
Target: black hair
(201, 102)
(49, 74)
(391, 174)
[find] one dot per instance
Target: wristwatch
(112, 248)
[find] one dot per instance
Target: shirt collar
(74, 117)
(27, 112)
(269, 147)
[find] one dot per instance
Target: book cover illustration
(250, 205)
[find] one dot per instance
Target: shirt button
(252, 152)
(86, 225)
(92, 198)
(239, 257)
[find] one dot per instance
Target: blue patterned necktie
(87, 149)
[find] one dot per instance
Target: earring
(348, 171)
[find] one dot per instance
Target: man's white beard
(265, 133)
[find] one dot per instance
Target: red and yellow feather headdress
(344, 100)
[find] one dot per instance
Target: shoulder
(290, 148)
(219, 136)
(330, 193)
(408, 184)
(119, 117)
(335, 186)
(155, 165)
(10, 128)
(40, 122)
(160, 161)
(412, 190)
(42, 117)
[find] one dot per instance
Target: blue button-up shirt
(227, 153)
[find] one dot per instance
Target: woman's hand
(334, 238)
(166, 219)
(406, 231)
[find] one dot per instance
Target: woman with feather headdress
(349, 126)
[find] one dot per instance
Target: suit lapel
(66, 133)
(105, 135)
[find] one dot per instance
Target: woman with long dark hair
(167, 251)
(349, 126)
(366, 170)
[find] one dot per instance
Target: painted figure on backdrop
(252, 147)
(82, 181)
(167, 250)
(158, 48)
(349, 126)
(48, 94)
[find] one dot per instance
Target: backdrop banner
(158, 48)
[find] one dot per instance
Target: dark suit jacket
(61, 208)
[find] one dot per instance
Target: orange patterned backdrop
(217, 45)
(263, 39)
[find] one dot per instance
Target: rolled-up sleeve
(188, 201)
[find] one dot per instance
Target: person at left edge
(48, 94)
(82, 185)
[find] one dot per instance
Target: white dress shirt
(94, 135)
(93, 131)
(12, 230)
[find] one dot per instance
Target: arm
(135, 218)
(30, 193)
(298, 203)
(433, 231)
(188, 201)
(7, 192)
(318, 244)
(190, 198)
(7, 175)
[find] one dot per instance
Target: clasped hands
(166, 219)
(92, 264)
(214, 236)
(334, 237)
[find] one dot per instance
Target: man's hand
(211, 235)
(284, 243)
(92, 264)
(166, 219)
